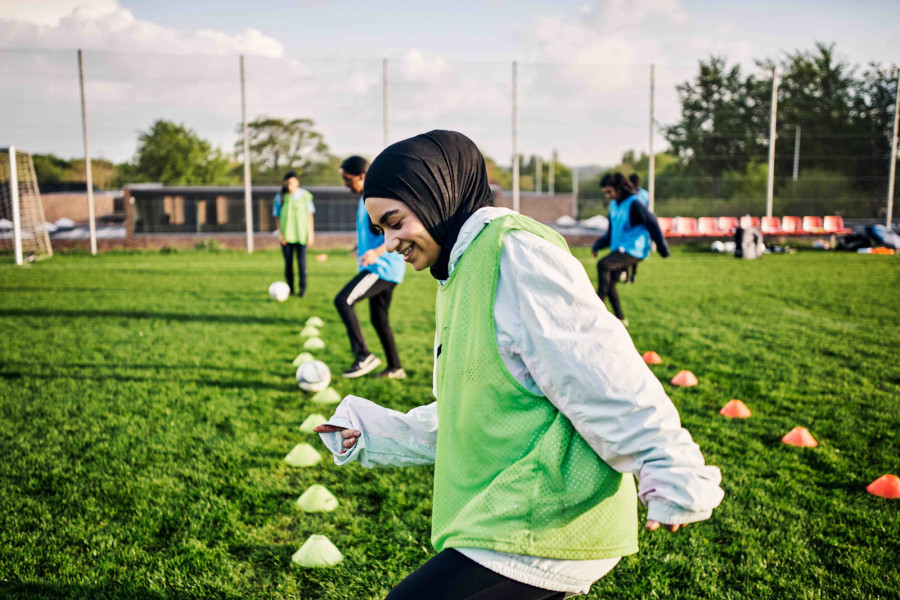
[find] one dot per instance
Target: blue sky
(583, 66)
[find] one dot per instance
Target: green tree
(723, 119)
(278, 145)
(175, 155)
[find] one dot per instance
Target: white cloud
(105, 25)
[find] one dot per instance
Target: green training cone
(313, 343)
(317, 551)
(314, 322)
(309, 331)
(302, 358)
(317, 499)
(311, 422)
(327, 396)
(303, 455)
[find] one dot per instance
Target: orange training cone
(652, 358)
(685, 379)
(799, 436)
(321, 257)
(886, 486)
(735, 410)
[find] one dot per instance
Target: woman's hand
(654, 525)
(350, 435)
(368, 258)
(281, 239)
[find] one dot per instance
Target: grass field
(147, 401)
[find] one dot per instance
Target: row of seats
(722, 226)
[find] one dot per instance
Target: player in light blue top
(379, 273)
(642, 194)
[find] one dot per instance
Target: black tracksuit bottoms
(379, 292)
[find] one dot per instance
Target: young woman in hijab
(294, 210)
(546, 410)
(631, 227)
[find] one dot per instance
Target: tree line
(717, 148)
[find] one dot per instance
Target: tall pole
(16, 210)
(770, 190)
(651, 175)
(797, 153)
(248, 195)
(575, 190)
(87, 158)
(893, 170)
(551, 184)
(385, 102)
(538, 174)
(515, 136)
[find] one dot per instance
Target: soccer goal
(22, 227)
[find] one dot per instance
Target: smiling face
(404, 232)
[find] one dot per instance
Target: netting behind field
(33, 231)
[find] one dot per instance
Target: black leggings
(608, 270)
(452, 576)
(379, 292)
(288, 249)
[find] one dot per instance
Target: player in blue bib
(379, 273)
(631, 228)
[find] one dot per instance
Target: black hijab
(441, 177)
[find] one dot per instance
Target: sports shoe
(362, 366)
(389, 373)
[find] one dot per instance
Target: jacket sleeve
(602, 242)
(641, 214)
(389, 438)
(583, 360)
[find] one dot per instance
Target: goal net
(22, 228)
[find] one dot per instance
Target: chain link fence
(167, 145)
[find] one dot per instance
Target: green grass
(147, 401)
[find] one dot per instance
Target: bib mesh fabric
(511, 472)
(295, 216)
(633, 240)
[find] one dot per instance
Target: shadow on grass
(143, 314)
(221, 383)
(274, 558)
(30, 590)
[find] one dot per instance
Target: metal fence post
(385, 102)
(797, 153)
(515, 136)
(770, 188)
(551, 183)
(87, 158)
(893, 170)
(651, 174)
(575, 191)
(14, 199)
(538, 174)
(248, 194)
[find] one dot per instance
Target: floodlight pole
(515, 136)
(575, 190)
(248, 194)
(538, 174)
(797, 153)
(385, 101)
(87, 158)
(651, 174)
(14, 198)
(770, 189)
(551, 184)
(893, 170)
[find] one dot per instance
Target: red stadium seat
(709, 226)
(813, 224)
(686, 226)
(728, 224)
(834, 224)
(665, 224)
(748, 221)
(771, 225)
(792, 225)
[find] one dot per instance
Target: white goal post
(22, 226)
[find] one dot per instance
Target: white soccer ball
(313, 376)
(279, 291)
(718, 246)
